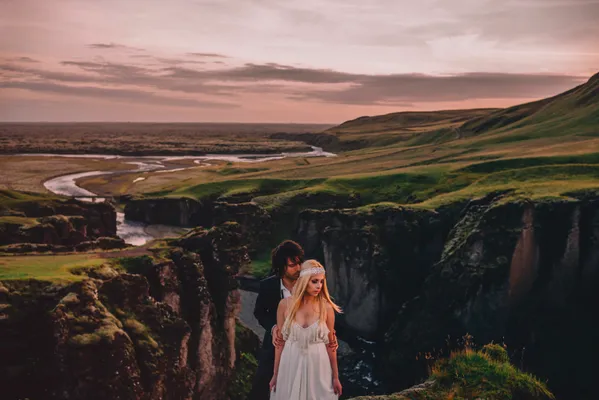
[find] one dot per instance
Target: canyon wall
(153, 327)
(376, 260)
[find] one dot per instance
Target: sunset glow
(285, 61)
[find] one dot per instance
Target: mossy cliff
(525, 272)
(160, 327)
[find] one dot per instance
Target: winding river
(137, 233)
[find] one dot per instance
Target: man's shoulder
(271, 281)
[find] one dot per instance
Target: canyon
(412, 280)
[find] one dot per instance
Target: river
(137, 233)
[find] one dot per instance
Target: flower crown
(312, 271)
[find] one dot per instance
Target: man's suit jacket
(266, 306)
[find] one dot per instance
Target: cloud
(112, 46)
(19, 72)
(402, 89)
(207, 55)
(301, 84)
(114, 94)
(178, 61)
(171, 60)
(104, 46)
(23, 60)
(118, 75)
(272, 71)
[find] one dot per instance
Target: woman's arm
(278, 349)
(333, 352)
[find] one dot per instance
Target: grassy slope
(77, 266)
(17, 220)
(411, 127)
(50, 268)
(575, 112)
(13, 199)
(12, 196)
(551, 148)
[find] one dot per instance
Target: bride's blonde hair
(299, 290)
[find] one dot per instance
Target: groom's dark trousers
(265, 312)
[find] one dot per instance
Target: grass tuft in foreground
(475, 374)
(471, 374)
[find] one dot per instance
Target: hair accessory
(312, 271)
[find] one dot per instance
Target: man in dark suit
(286, 260)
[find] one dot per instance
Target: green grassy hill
(406, 121)
(575, 112)
(548, 148)
(391, 128)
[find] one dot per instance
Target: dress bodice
(316, 333)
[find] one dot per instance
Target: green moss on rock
(471, 374)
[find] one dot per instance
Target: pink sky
(285, 61)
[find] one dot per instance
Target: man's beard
(293, 277)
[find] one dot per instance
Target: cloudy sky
(285, 60)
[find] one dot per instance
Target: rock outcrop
(56, 222)
(254, 221)
(163, 330)
(170, 211)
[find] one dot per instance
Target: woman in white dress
(305, 367)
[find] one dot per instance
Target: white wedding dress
(304, 369)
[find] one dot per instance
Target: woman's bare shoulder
(284, 303)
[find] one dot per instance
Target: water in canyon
(138, 233)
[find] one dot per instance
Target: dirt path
(246, 314)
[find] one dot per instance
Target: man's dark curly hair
(280, 254)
